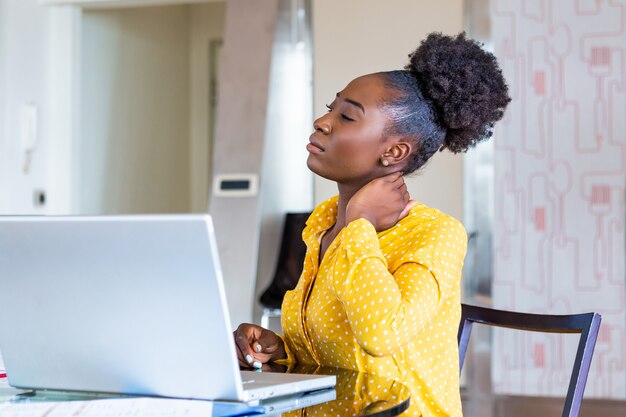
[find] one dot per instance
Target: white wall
(134, 148)
(356, 37)
(206, 24)
(37, 54)
(23, 33)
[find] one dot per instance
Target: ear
(398, 150)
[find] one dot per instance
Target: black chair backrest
(586, 324)
(290, 260)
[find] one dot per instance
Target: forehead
(368, 90)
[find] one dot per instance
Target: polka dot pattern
(386, 303)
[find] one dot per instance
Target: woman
(380, 287)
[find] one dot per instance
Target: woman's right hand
(383, 202)
(256, 346)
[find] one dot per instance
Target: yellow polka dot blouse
(385, 303)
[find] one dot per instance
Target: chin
(310, 163)
(313, 165)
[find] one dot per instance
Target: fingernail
(257, 364)
(249, 358)
(258, 347)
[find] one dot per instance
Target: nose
(322, 124)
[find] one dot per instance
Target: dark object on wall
(586, 324)
(290, 261)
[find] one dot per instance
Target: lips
(314, 145)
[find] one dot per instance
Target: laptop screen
(130, 304)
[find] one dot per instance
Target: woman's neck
(345, 194)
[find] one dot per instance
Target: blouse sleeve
(291, 358)
(385, 310)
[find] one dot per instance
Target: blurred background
(153, 106)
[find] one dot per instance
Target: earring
(384, 162)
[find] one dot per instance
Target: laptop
(126, 305)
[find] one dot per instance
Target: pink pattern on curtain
(560, 169)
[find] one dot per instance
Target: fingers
(404, 197)
(256, 345)
(398, 180)
(272, 346)
(382, 202)
(245, 338)
(266, 342)
(407, 208)
(243, 353)
(402, 189)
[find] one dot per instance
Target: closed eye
(343, 116)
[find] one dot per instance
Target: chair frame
(586, 324)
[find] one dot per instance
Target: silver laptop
(123, 304)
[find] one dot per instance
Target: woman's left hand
(383, 201)
(257, 346)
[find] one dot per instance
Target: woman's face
(348, 141)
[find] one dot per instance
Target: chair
(288, 267)
(585, 324)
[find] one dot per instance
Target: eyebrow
(354, 103)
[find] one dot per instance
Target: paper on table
(118, 407)
(7, 392)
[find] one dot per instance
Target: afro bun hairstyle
(465, 86)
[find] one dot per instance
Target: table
(356, 394)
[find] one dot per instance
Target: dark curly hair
(449, 96)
